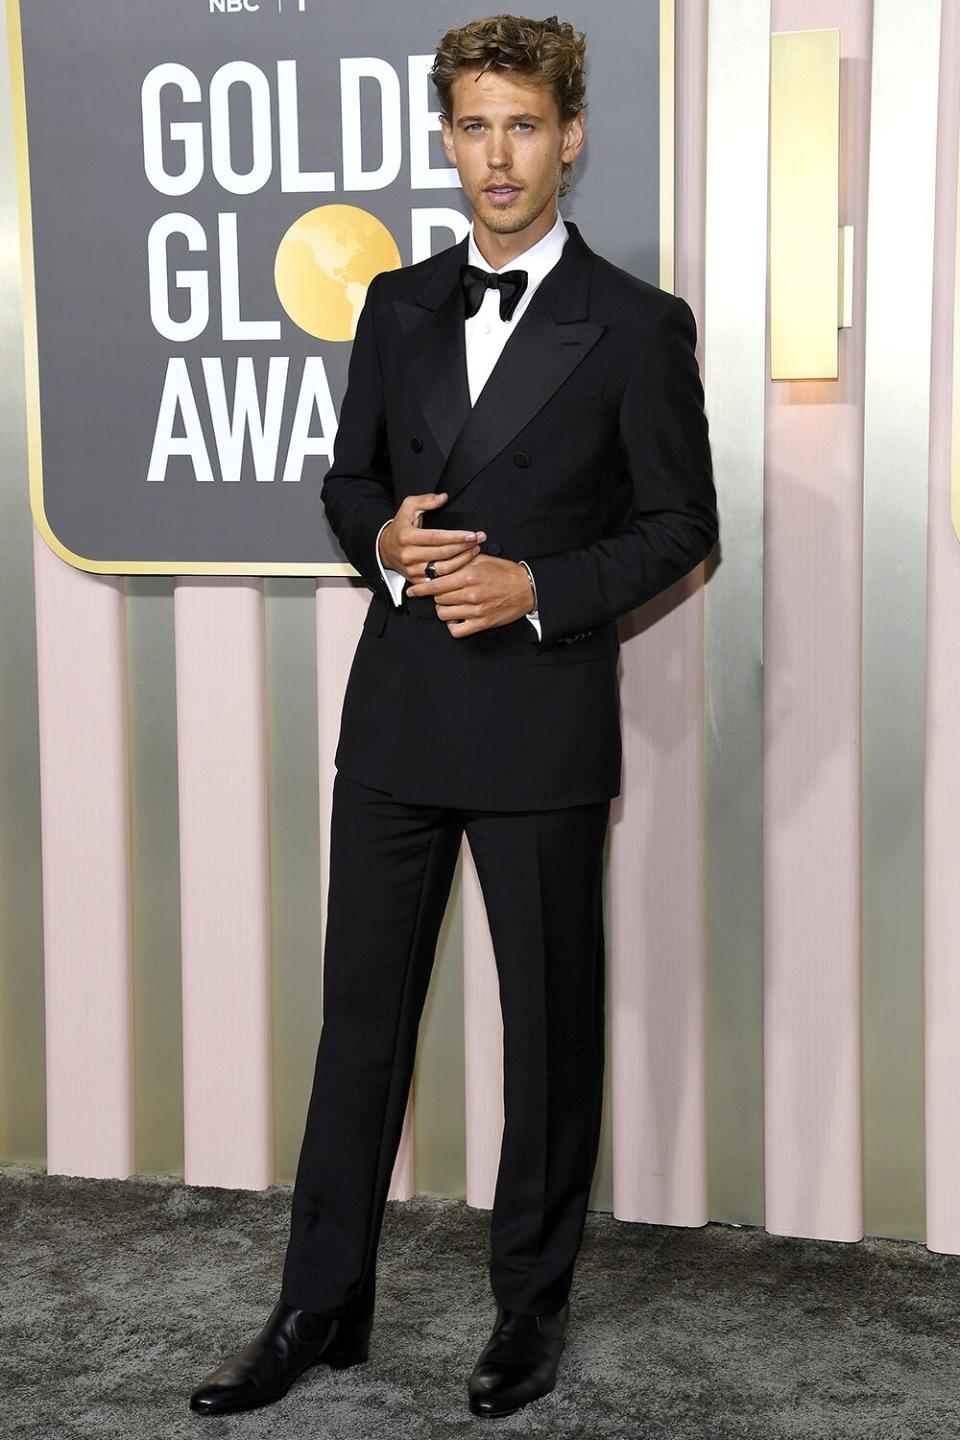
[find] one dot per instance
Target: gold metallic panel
(439, 1077)
(154, 872)
(899, 299)
(734, 367)
(293, 786)
(22, 1072)
(804, 203)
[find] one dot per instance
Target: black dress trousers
(391, 867)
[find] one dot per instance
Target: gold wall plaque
(804, 204)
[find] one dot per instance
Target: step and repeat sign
(206, 190)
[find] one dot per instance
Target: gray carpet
(119, 1297)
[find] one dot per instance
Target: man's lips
(502, 192)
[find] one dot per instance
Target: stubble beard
(508, 222)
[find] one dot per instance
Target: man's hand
(483, 593)
(406, 547)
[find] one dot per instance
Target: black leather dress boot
(519, 1361)
(290, 1342)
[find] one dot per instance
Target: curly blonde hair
(544, 51)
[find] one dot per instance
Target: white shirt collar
(537, 260)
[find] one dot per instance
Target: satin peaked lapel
(550, 339)
(539, 356)
(435, 358)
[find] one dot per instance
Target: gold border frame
(667, 67)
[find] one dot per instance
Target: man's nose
(498, 152)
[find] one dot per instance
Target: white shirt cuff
(533, 615)
(392, 578)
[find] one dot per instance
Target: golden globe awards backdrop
(207, 188)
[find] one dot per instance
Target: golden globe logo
(324, 264)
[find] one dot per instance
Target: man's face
(508, 143)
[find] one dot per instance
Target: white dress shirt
(485, 335)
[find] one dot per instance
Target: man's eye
(477, 125)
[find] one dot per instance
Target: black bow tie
(476, 282)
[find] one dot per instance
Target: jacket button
(492, 547)
(522, 459)
(416, 444)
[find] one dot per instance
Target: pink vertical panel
(655, 872)
(85, 856)
(942, 790)
(224, 884)
(656, 945)
(812, 607)
(483, 1044)
(341, 606)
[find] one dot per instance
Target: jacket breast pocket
(600, 644)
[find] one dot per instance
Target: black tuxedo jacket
(586, 454)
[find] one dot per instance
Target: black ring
(430, 570)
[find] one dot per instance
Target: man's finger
(428, 501)
(443, 584)
(442, 537)
(444, 567)
(439, 554)
(459, 628)
(458, 612)
(446, 589)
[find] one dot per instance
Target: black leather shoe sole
(476, 1409)
(349, 1346)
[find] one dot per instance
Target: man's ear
(573, 137)
(446, 132)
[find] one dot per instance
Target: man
(522, 457)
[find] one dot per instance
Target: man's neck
(498, 250)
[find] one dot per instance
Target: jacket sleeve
(672, 523)
(357, 491)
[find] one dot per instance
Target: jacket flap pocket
(376, 616)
